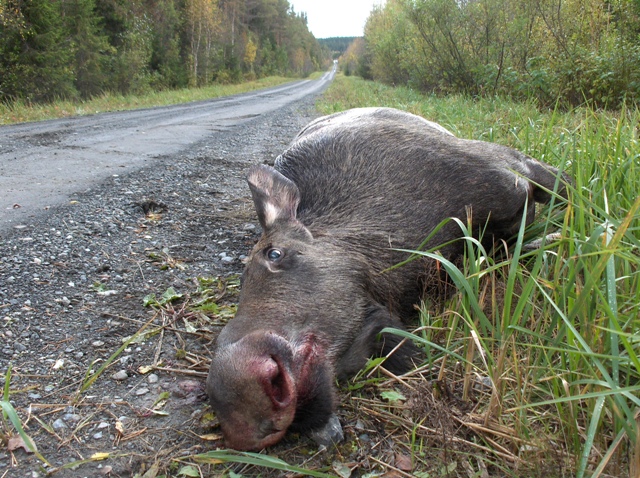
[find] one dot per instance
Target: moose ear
(276, 197)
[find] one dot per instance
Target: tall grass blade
(255, 459)
(10, 412)
(591, 433)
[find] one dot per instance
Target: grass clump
(537, 355)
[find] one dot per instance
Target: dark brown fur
(316, 292)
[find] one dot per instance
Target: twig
(387, 465)
(182, 371)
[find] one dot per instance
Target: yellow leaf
(145, 369)
(119, 427)
(100, 456)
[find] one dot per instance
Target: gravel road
(98, 213)
(42, 163)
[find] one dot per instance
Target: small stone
(59, 424)
(97, 436)
(124, 419)
(34, 396)
(152, 378)
(121, 375)
(103, 425)
(142, 391)
(72, 418)
(97, 343)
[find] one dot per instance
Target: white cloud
(335, 18)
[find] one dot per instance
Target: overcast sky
(335, 18)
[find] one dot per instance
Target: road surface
(43, 163)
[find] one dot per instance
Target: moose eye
(274, 254)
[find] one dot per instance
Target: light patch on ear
(271, 213)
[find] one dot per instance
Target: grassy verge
(534, 366)
(19, 111)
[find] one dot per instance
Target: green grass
(19, 112)
(554, 331)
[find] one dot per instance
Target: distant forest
(337, 45)
(80, 48)
(566, 52)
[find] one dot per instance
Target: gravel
(72, 286)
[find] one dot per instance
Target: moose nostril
(266, 428)
(278, 384)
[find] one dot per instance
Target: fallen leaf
(152, 472)
(393, 396)
(161, 401)
(211, 437)
(17, 442)
(341, 469)
(189, 470)
(160, 413)
(100, 456)
(403, 462)
(145, 369)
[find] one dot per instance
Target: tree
(167, 65)
(67, 48)
(202, 22)
(34, 60)
(571, 50)
(250, 51)
(89, 46)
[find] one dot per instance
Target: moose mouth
(281, 383)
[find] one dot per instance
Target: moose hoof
(329, 435)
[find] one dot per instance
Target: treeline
(572, 51)
(337, 45)
(80, 48)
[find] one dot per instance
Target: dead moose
(316, 292)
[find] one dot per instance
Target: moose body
(351, 190)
